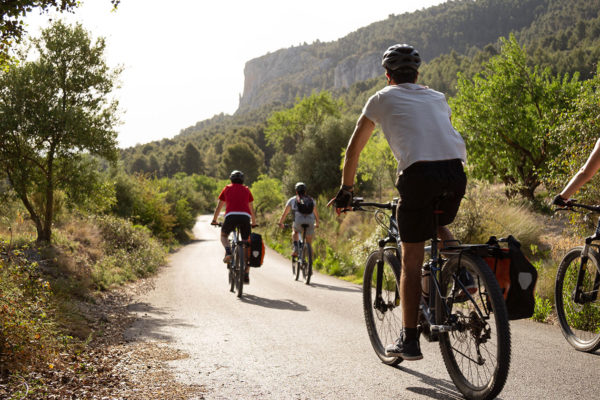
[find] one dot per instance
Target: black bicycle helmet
(236, 176)
(300, 187)
(401, 56)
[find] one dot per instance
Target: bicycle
(576, 289)
(236, 267)
(303, 261)
(472, 328)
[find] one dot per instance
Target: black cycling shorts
(239, 220)
(420, 186)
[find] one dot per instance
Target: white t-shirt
(416, 123)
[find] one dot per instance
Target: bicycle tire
(384, 324)
(579, 323)
(231, 268)
(477, 354)
(240, 267)
(299, 261)
(307, 262)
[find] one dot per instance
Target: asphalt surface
(288, 340)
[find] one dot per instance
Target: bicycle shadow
(276, 304)
(335, 288)
(440, 389)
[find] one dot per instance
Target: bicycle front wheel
(240, 268)
(381, 302)
(476, 350)
(579, 310)
(307, 262)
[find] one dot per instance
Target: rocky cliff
(287, 73)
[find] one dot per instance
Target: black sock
(228, 250)
(410, 333)
(295, 245)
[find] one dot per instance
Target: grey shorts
(300, 219)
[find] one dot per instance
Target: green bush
(131, 252)
(543, 308)
(28, 335)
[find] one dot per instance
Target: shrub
(28, 336)
(543, 308)
(131, 252)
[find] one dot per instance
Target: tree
(14, 12)
(317, 163)
(52, 111)
(377, 165)
(287, 129)
(507, 113)
(579, 131)
(267, 193)
(192, 161)
(244, 156)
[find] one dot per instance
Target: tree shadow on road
(440, 388)
(149, 323)
(336, 288)
(270, 303)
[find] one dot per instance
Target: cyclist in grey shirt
(310, 218)
(430, 153)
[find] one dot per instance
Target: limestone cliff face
(297, 71)
(357, 68)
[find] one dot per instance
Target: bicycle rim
(383, 315)
(579, 319)
(477, 352)
(240, 267)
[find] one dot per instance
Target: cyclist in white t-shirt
(430, 153)
(304, 211)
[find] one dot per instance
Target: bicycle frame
(434, 266)
(580, 297)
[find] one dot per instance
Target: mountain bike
(236, 268)
(576, 289)
(303, 262)
(470, 324)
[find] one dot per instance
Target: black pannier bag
(520, 293)
(256, 251)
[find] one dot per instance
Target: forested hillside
(454, 37)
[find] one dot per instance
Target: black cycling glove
(559, 201)
(343, 198)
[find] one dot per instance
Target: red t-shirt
(237, 198)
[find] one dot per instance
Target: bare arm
(285, 213)
(316, 215)
(586, 173)
(220, 205)
(252, 216)
(362, 132)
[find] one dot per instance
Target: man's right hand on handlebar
(342, 200)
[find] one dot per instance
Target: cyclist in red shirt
(239, 212)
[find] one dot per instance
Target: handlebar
(572, 205)
(358, 203)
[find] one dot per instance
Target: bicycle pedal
(441, 328)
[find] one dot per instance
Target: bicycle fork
(581, 297)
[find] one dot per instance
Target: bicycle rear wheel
(381, 302)
(240, 267)
(299, 261)
(477, 350)
(579, 313)
(307, 262)
(231, 269)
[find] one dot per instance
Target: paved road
(287, 340)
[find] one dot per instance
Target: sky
(184, 59)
